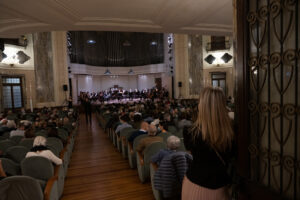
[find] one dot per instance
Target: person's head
(144, 126)
(21, 126)
(11, 124)
(137, 118)
(163, 125)
(39, 141)
(52, 132)
(152, 130)
(173, 142)
(124, 118)
(213, 121)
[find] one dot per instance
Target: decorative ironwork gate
(273, 62)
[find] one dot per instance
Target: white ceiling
(213, 17)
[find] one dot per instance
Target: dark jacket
(169, 176)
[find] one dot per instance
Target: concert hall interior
(149, 99)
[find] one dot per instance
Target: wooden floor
(98, 171)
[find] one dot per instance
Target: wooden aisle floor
(98, 171)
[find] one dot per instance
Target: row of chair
(50, 178)
(146, 169)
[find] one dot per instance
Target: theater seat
(164, 136)
(26, 142)
(156, 193)
(5, 144)
(124, 135)
(132, 150)
(20, 188)
(10, 167)
(143, 162)
(16, 138)
(16, 153)
(42, 169)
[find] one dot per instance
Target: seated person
(143, 130)
(148, 140)
(40, 149)
(20, 130)
(183, 121)
(162, 126)
(124, 119)
(173, 143)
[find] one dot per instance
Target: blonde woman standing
(210, 142)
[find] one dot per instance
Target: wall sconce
(210, 59)
(22, 57)
(226, 57)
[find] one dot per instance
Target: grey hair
(173, 142)
(39, 141)
(152, 130)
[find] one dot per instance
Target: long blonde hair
(213, 121)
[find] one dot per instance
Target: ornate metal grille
(273, 63)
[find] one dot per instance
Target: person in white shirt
(19, 132)
(40, 149)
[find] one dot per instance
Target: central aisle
(98, 171)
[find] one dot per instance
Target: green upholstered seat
(37, 167)
(124, 135)
(16, 138)
(6, 135)
(26, 142)
(40, 168)
(20, 188)
(41, 133)
(10, 167)
(53, 142)
(144, 167)
(16, 153)
(164, 136)
(179, 133)
(5, 144)
(172, 129)
(132, 152)
(157, 194)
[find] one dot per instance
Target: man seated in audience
(40, 149)
(173, 143)
(183, 121)
(124, 119)
(143, 130)
(20, 131)
(148, 140)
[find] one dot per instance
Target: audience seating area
(146, 169)
(36, 178)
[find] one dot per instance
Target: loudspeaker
(65, 87)
(179, 84)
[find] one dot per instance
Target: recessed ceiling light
(153, 43)
(91, 41)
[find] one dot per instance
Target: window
(218, 79)
(12, 92)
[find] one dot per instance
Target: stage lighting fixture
(210, 59)
(107, 72)
(226, 57)
(130, 72)
(22, 57)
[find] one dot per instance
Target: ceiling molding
(24, 25)
(197, 17)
